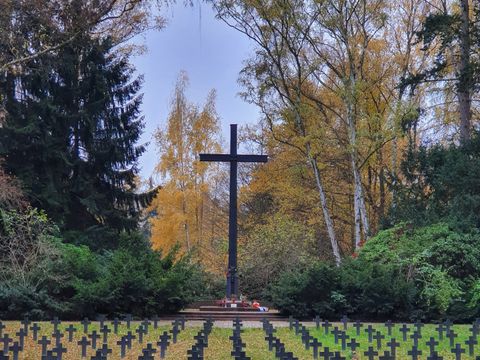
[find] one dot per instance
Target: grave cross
(84, 343)
(371, 353)
(452, 335)
(353, 344)
(471, 342)
(357, 325)
(393, 344)
(44, 342)
(70, 330)
(163, 343)
(458, 351)
(326, 354)
(431, 344)
(378, 337)
(414, 353)
(315, 344)
(434, 356)
(123, 342)
(15, 349)
(6, 342)
(2, 326)
(35, 328)
(233, 158)
(386, 356)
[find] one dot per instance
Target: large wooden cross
(233, 158)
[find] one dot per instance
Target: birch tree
(281, 73)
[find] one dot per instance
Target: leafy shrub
(403, 273)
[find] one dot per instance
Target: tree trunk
(326, 212)
(465, 78)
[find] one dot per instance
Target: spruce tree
(71, 133)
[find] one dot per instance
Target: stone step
(196, 314)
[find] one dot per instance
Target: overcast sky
(210, 52)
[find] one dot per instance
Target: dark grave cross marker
(128, 320)
(15, 349)
(123, 342)
(140, 332)
(431, 344)
(434, 356)
(98, 356)
(163, 344)
(370, 353)
(174, 332)
(4, 356)
(414, 353)
(105, 330)
(357, 325)
(415, 336)
(194, 353)
(369, 330)
(335, 333)
(315, 344)
(5, 339)
(326, 325)
(353, 344)
(21, 337)
(386, 356)
(146, 323)
(155, 320)
(44, 342)
(404, 330)
(419, 326)
(471, 342)
(35, 328)
(59, 350)
(317, 321)
(458, 351)
(345, 321)
(379, 337)
(94, 337)
(451, 336)
(129, 338)
(84, 343)
(337, 356)
(70, 330)
(25, 322)
(85, 322)
(55, 323)
(448, 324)
(343, 338)
(440, 329)
(115, 324)
(149, 350)
(389, 325)
(326, 354)
(393, 344)
(233, 158)
(2, 326)
(57, 335)
(101, 319)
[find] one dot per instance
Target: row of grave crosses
(89, 340)
(52, 348)
(443, 329)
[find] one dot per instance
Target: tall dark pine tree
(73, 123)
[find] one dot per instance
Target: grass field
(219, 345)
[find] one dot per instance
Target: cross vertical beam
(233, 158)
(232, 276)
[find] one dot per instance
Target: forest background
(369, 204)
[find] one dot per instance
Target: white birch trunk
(326, 213)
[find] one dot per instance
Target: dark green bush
(403, 273)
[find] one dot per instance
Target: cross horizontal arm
(233, 158)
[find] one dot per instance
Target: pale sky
(210, 52)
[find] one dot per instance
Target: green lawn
(219, 346)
